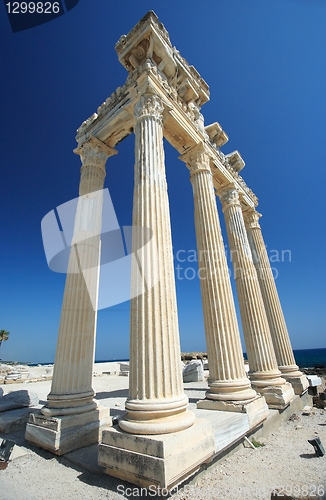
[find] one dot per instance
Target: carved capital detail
(93, 156)
(94, 153)
(197, 160)
(229, 196)
(149, 105)
(251, 218)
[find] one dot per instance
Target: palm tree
(4, 335)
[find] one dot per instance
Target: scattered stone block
(306, 410)
(314, 380)
(14, 375)
(193, 372)
(14, 420)
(18, 399)
(205, 364)
(62, 434)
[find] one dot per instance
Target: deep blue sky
(265, 63)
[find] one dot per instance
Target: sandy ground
(286, 462)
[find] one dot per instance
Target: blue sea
(305, 358)
(310, 358)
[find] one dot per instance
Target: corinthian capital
(149, 105)
(229, 196)
(251, 218)
(94, 153)
(197, 160)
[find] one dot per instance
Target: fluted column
(71, 390)
(157, 403)
(264, 372)
(280, 337)
(227, 376)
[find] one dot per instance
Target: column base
(289, 371)
(158, 461)
(300, 383)
(238, 390)
(62, 434)
(165, 425)
(256, 409)
(277, 396)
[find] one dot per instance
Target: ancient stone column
(264, 373)
(71, 418)
(273, 308)
(228, 383)
(71, 390)
(157, 403)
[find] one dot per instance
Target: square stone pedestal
(162, 460)
(61, 434)
(299, 384)
(277, 396)
(256, 409)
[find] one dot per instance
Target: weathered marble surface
(193, 371)
(227, 377)
(66, 433)
(18, 399)
(163, 460)
(15, 420)
(277, 325)
(264, 373)
(157, 403)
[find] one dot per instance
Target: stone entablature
(183, 122)
(150, 40)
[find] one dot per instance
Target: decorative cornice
(149, 41)
(235, 161)
(216, 134)
(237, 177)
(150, 17)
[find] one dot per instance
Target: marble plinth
(66, 433)
(277, 396)
(300, 384)
(162, 460)
(256, 409)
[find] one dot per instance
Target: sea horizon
(305, 358)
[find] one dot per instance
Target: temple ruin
(159, 440)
